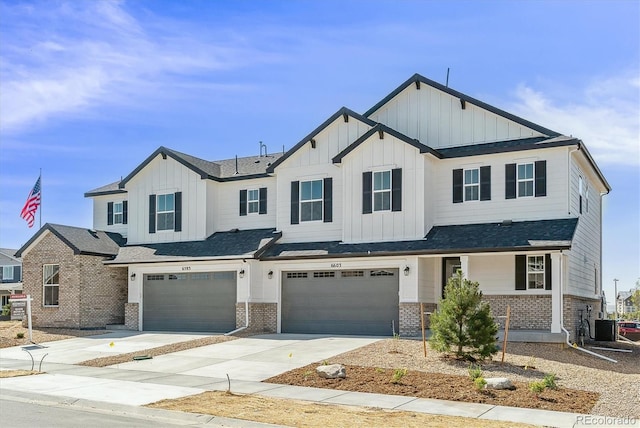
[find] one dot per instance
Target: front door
(450, 267)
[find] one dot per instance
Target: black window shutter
(580, 204)
(458, 186)
(547, 271)
(17, 271)
(367, 192)
(1, 278)
(177, 226)
(243, 202)
(396, 189)
(541, 178)
(510, 181)
(328, 200)
(521, 272)
(485, 183)
(109, 213)
(152, 213)
(262, 204)
(295, 202)
(125, 212)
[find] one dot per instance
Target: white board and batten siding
(162, 176)
(100, 213)
(223, 205)
(373, 155)
(438, 120)
(553, 205)
(585, 255)
(307, 164)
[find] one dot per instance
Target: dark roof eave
(533, 146)
(106, 192)
(182, 260)
(599, 173)
(424, 252)
(418, 78)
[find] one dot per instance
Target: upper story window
(50, 285)
(382, 191)
(7, 273)
(165, 212)
(583, 199)
(525, 180)
(117, 213)
(253, 201)
(312, 200)
(473, 184)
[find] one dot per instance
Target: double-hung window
(253, 201)
(535, 272)
(472, 184)
(311, 200)
(382, 191)
(525, 180)
(117, 213)
(50, 284)
(7, 273)
(165, 211)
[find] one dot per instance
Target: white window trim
(532, 180)
(465, 185)
(45, 285)
(254, 201)
(543, 272)
(6, 269)
(380, 191)
(307, 201)
(116, 212)
(158, 212)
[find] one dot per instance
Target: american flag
(31, 206)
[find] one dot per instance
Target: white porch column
(464, 266)
(557, 285)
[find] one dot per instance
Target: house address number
(336, 265)
(186, 268)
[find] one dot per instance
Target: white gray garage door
(203, 301)
(363, 302)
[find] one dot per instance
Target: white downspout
(246, 306)
(575, 346)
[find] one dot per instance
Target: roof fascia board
(383, 128)
(106, 192)
(418, 78)
(319, 129)
(533, 146)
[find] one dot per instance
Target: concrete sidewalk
(247, 361)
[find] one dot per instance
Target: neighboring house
(363, 220)
(65, 274)
(624, 302)
(10, 274)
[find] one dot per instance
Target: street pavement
(239, 365)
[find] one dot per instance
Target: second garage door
(203, 301)
(363, 302)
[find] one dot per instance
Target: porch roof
(233, 244)
(537, 235)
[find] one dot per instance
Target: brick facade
(527, 312)
(572, 305)
(263, 317)
(91, 295)
(410, 322)
(132, 316)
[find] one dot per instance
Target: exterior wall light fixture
(241, 273)
(406, 271)
(270, 274)
(133, 276)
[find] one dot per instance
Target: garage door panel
(366, 304)
(189, 302)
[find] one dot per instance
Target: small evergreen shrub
(479, 383)
(19, 335)
(537, 386)
(550, 381)
(474, 371)
(398, 374)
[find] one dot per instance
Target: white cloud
(98, 54)
(605, 115)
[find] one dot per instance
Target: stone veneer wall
(410, 322)
(571, 315)
(263, 317)
(131, 316)
(528, 312)
(91, 295)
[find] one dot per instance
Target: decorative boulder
(332, 371)
(499, 383)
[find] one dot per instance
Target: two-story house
(10, 274)
(361, 221)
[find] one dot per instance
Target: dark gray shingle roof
(81, 240)
(231, 244)
(109, 189)
(493, 237)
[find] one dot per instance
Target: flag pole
(40, 178)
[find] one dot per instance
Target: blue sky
(88, 89)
